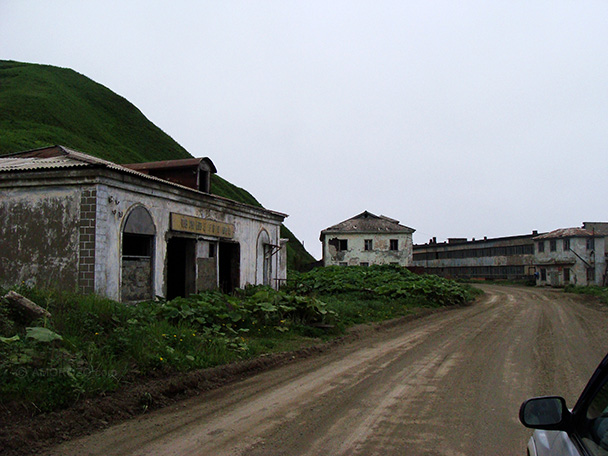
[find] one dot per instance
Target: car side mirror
(549, 413)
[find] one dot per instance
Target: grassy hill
(43, 105)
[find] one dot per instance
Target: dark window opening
(566, 275)
(212, 249)
(541, 246)
(368, 244)
(136, 245)
(394, 244)
(364, 264)
(342, 244)
(543, 274)
(566, 244)
(552, 245)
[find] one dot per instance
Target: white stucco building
(366, 240)
(574, 256)
(133, 232)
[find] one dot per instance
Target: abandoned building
(567, 256)
(365, 240)
(499, 258)
(133, 232)
(571, 256)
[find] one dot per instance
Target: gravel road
(447, 384)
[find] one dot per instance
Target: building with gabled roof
(76, 222)
(367, 239)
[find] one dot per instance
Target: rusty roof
(58, 157)
(565, 233)
(366, 222)
(173, 164)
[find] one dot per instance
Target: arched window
(137, 254)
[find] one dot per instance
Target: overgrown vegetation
(600, 292)
(91, 345)
(43, 105)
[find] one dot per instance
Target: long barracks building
(499, 258)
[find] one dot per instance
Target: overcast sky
(458, 118)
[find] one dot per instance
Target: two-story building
(570, 256)
(367, 239)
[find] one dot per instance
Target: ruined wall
(40, 236)
(356, 254)
(136, 272)
(577, 265)
(115, 200)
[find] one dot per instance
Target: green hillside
(42, 105)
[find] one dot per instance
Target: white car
(583, 431)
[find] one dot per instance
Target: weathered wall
(577, 259)
(39, 236)
(116, 199)
(136, 272)
(356, 253)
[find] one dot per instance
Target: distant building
(488, 258)
(561, 257)
(571, 256)
(76, 222)
(366, 240)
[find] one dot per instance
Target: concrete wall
(65, 229)
(356, 253)
(114, 202)
(40, 236)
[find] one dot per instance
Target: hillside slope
(43, 105)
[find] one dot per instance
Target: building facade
(366, 240)
(571, 256)
(76, 222)
(558, 258)
(498, 258)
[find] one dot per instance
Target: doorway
(229, 266)
(181, 271)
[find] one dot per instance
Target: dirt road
(447, 384)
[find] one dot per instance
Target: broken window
(138, 239)
(590, 275)
(394, 244)
(368, 244)
(342, 244)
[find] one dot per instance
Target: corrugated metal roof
(27, 164)
(366, 222)
(565, 233)
(57, 157)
